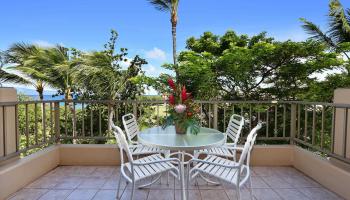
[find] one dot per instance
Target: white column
(8, 119)
(341, 96)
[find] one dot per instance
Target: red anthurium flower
(171, 84)
(184, 96)
(172, 99)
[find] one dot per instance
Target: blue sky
(86, 24)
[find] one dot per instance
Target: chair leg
(132, 191)
(118, 188)
(238, 194)
(250, 188)
(167, 178)
(188, 181)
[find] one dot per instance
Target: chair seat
(149, 170)
(141, 150)
(226, 174)
(218, 151)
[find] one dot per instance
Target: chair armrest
(212, 163)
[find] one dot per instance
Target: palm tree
(24, 58)
(59, 67)
(172, 7)
(338, 35)
(8, 77)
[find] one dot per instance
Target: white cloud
(125, 64)
(156, 54)
(321, 76)
(153, 71)
(43, 43)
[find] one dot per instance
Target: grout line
(69, 194)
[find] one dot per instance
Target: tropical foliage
(101, 74)
(237, 67)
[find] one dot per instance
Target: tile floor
(99, 183)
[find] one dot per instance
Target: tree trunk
(110, 117)
(173, 32)
(72, 110)
(40, 90)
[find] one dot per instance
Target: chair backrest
(234, 127)
(122, 143)
(130, 125)
(248, 146)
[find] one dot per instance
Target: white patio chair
(135, 171)
(132, 129)
(233, 132)
(235, 173)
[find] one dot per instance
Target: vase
(180, 128)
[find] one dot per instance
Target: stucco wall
(89, 154)
(323, 171)
(15, 175)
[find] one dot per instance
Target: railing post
(293, 118)
(9, 135)
(57, 121)
(215, 117)
(134, 109)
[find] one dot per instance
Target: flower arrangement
(183, 113)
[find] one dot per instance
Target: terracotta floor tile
(276, 182)
(319, 194)
(28, 194)
(56, 195)
(264, 171)
(192, 195)
(68, 184)
(291, 194)
(245, 194)
(92, 183)
(214, 194)
(161, 194)
(82, 194)
(266, 194)
(44, 182)
(140, 194)
(105, 195)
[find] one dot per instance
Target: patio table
(167, 139)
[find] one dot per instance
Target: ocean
(47, 97)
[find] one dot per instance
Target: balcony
(65, 149)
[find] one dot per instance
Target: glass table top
(168, 139)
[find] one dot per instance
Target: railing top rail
(11, 103)
(337, 105)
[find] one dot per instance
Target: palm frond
(316, 33)
(31, 72)
(338, 22)
(19, 52)
(11, 78)
(162, 5)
